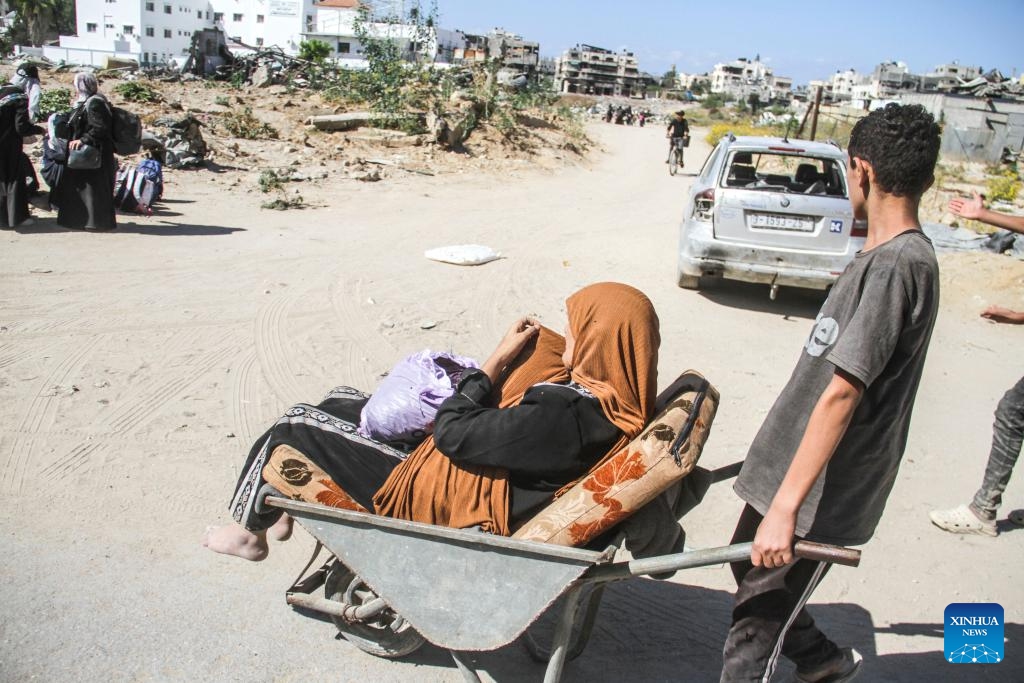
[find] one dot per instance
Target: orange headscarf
(615, 357)
(616, 351)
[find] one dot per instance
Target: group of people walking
(83, 197)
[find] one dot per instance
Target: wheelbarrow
(393, 585)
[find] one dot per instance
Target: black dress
(85, 199)
(556, 434)
(14, 126)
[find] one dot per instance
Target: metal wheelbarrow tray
(397, 583)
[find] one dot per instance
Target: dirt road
(137, 367)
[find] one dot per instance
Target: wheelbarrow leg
(468, 672)
(563, 634)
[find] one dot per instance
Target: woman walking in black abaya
(15, 126)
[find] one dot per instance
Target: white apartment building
(743, 77)
(160, 31)
(843, 83)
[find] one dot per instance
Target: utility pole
(814, 117)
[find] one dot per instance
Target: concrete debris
(355, 119)
(992, 84)
(180, 146)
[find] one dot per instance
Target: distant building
(160, 31)
(947, 76)
(516, 55)
(691, 81)
(842, 84)
(742, 78)
(590, 70)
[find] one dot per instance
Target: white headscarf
(86, 86)
(30, 85)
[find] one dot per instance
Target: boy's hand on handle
(773, 542)
(521, 332)
(967, 208)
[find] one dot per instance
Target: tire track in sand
(144, 403)
(38, 413)
(357, 329)
(71, 462)
(244, 396)
(272, 349)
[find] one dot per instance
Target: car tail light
(704, 204)
(793, 150)
(859, 229)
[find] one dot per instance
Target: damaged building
(518, 57)
(590, 70)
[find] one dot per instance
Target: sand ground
(137, 367)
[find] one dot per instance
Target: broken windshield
(790, 173)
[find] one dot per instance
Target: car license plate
(776, 221)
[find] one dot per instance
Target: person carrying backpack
(15, 126)
(85, 197)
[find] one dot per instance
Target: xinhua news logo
(974, 633)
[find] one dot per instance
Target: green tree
(314, 50)
(44, 18)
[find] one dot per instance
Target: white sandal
(961, 520)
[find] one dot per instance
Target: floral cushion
(298, 478)
(665, 452)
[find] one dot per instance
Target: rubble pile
(993, 84)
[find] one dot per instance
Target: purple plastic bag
(406, 401)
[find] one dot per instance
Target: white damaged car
(769, 210)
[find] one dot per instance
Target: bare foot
(282, 529)
(235, 540)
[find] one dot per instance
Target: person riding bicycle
(677, 132)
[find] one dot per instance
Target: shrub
(246, 126)
(284, 203)
(134, 91)
(1003, 187)
(269, 180)
(54, 101)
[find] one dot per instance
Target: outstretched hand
(1001, 314)
(522, 331)
(967, 208)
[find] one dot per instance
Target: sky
(803, 40)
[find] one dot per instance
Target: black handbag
(85, 158)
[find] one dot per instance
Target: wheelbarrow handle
(835, 554)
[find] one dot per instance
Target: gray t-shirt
(875, 325)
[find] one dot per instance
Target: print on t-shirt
(824, 335)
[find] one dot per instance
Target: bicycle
(675, 158)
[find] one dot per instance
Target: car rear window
(790, 173)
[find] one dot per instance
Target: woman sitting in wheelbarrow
(538, 415)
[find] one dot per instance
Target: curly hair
(901, 142)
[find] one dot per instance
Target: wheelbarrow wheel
(538, 638)
(385, 635)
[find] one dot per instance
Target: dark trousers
(769, 618)
(1007, 436)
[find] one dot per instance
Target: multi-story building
(743, 77)
(515, 54)
(590, 70)
(159, 31)
(948, 76)
(691, 81)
